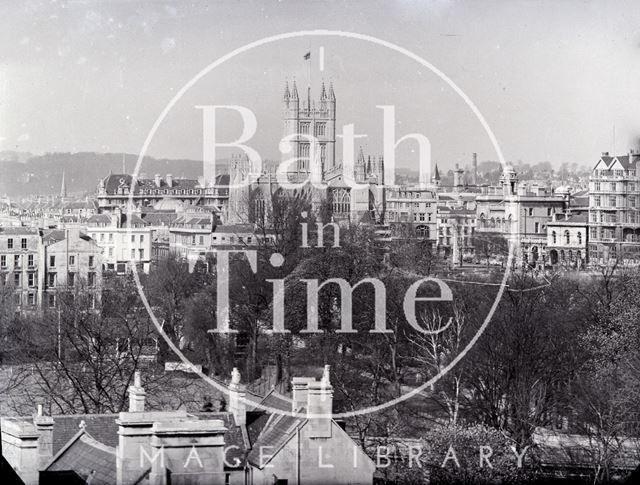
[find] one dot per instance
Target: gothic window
(566, 237)
(579, 238)
(304, 128)
(321, 129)
(553, 237)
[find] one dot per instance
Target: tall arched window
(553, 237)
(579, 238)
(566, 237)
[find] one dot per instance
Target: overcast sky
(553, 79)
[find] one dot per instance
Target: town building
(73, 261)
(614, 220)
(124, 240)
(21, 265)
(568, 240)
(411, 212)
(258, 441)
(521, 212)
(116, 190)
(252, 191)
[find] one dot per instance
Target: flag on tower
(307, 56)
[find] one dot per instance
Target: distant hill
(42, 174)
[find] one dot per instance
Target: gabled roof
(277, 401)
(278, 431)
(620, 162)
(101, 426)
(87, 458)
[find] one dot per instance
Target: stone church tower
(306, 117)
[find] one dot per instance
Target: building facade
(123, 241)
(614, 202)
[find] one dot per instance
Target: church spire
(63, 187)
(332, 95)
(323, 92)
(287, 93)
(294, 91)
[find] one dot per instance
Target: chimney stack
(20, 448)
(237, 395)
(158, 180)
(169, 180)
(320, 406)
(300, 392)
(136, 395)
(44, 428)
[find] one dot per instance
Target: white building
(124, 242)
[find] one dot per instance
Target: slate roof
(160, 218)
(277, 401)
(278, 431)
(88, 458)
(19, 231)
(114, 181)
(55, 235)
(102, 427)
(627, 162)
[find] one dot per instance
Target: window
(141, 251)
(91, 279)
(141, 238)
(30, 260)
(111, 252)
(596, 201)
(72, 260)
(613, 186)
(51, 301)
(31, 299)
(110, 237)
(579, 238)
(596, 186)
(16, 279)
(537, 227)
(3, 261)
(612, 201)
(91, 261)
(51, 279)
(549, 212)
(16, 260)
(530, 211)
(133, 238)
(31, 280)
(304, 128)
(23, 243)
(10, 243)
(553, 237)
(133, 254)
(201, 240)
(52, 261)
(71, 279)
(102, 236)
(567, 237)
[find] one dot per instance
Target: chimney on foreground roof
(44, 428)
(320, 406)
(237, 395)
(20, 448)
(136, 395)
(300, 392)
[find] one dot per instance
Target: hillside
(42, 174)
